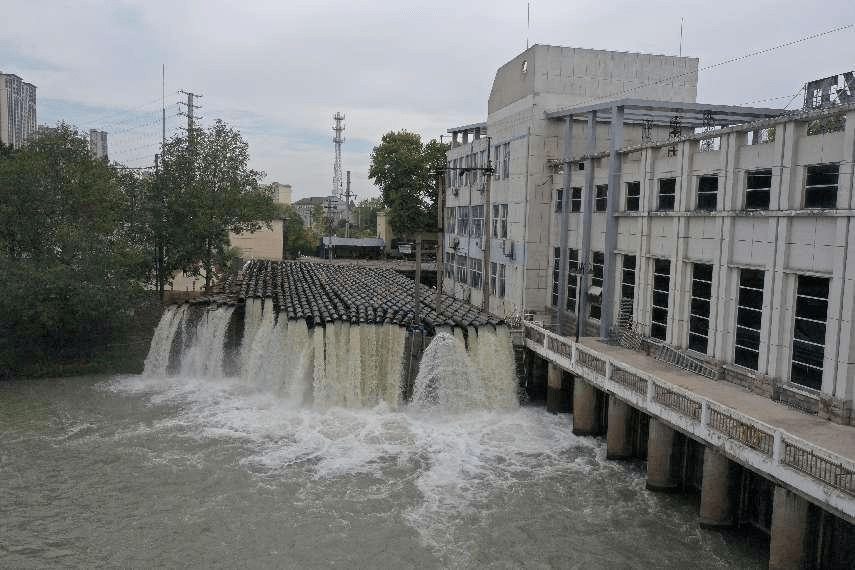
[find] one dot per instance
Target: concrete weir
(751, 462)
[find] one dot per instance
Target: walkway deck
(806, 454)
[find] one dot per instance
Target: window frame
(697, 302)
(572, 280)
(559, 198)
(597, 274)
(799, 310)
(706, 195)
(476, 272)
(821, 190)
(669, 203)
(744, 293)
(661, 289)
(758, 192)
(632, 199)
(556, 274)
(576, 199)
(601, 197)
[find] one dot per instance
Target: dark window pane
(749, 318)
(633, 193)
(746, 358)
(629, 262)
(666, 202)
(748, 338)
(699, 325)
(700, 307)
(707, 202)
(632, 204)
(824, 197)
(660, 299)
(809, 331)
(627, 291)
(759, 179)
(659, 315)
(595, 312)
(813, 286)
(701, 289)
(662, 266)
(751, 298)
(703, 272)
(708, 184)
(657, 331)
(822, 174)
(751, 278)
(806, 376)
(808, 354)
(808, 308)
(667, 185)
(698, 343)
(757, 200)
(599, 258)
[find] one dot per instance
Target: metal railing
(743, 432)
(559, 346)
(831, 472)
(677, 401)
(591, 362)
(632, 381)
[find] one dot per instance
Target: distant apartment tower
(17, 110)
(98, 143)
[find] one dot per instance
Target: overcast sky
(279, 70)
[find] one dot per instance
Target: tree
(209, 191)
(404, 169)
(296, 238)
(366, 215)
(71, 264)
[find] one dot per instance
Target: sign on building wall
(830, 91)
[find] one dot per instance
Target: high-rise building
(98, 143)
(17, 110)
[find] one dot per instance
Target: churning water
(309, 458)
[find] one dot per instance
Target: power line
(715, 65)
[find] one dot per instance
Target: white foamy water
(161, 343)
(203, 358)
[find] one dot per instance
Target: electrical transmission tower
(190, 113)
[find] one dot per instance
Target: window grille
(758, 186)
(699, 309)
(809, 331)
(633, 196)
(749, 315)
(667, 193)
(661, 292)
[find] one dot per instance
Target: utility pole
(485, 275)
(440, 235)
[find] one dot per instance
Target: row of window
(468, 271)
(820, 191)
(468, 170)
(809, 321)
(469, 220)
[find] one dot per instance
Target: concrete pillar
(660, 444)
(789, 526)
(716, 504)
(553, 389)
(584, 408)
(618, 441)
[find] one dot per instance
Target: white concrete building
(17, 110)
(510, 260)
(723, 232)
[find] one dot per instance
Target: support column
(584, 408)
(587, 217)
(563, 229)
(660, 444)
(618, 442)
(610, 273)
(716, 504)
(789, 526)
(553, 389)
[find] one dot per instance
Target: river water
(197, 469)
(172, 472)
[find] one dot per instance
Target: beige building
(17, 110)
(264, 243)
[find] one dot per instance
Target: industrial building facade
(721, 231)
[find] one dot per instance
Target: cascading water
(452, 380)
(342, 364)
(161, 343)
(204, 357)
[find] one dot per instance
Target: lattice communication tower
(338, 139)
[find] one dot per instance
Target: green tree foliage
(365, 214)
(70, 261)
(209, 190)
(404, 169)
(296, 238)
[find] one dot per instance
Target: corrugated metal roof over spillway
(322, 293)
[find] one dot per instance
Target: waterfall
(340, 364)
(452, 379)
(204, 356)
(161, 343)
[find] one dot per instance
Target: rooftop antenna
(527, 23)
(681, 36)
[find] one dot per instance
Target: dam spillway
(338, 335)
